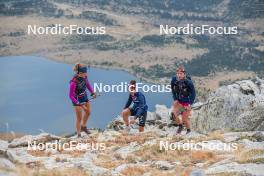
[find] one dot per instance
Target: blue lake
(34, 96)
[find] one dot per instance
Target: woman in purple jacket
(78, 95)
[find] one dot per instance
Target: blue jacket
(139, 103)
(183, 90)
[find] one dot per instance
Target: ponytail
(76, 68)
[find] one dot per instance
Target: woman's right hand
(84, 107)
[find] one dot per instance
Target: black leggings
(142, 118)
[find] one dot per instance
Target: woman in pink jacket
(78, 95)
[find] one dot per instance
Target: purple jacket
(74, 86)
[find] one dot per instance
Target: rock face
(239, 107)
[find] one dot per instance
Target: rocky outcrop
(239, 107)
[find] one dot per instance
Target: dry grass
(44, 153)
(10, 136)
(125, 139)
(131, 159)
(66, 172)
(215, 135)
(79, 153)
(74, 153)
(107, 161)
(184, 156)
(202, 156)
(39, 153)
(247, 156)
(108, 164)
(22, 170)
(154, 153)
(212, 81)
(135, 170)
(226, 174)
(249, 137)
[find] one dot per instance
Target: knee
(175, 108)
(125, 113)
(186, 114)
(79, 119)
(88, 112)
(175, 104)
(185, 117)
(184, 120)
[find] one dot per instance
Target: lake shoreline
(115, 67)
(54, 107)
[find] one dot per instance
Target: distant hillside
(132, 41)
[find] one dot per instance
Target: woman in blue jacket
(138, 110)
(183, 92)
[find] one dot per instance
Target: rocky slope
(136, 154)
(157, 151)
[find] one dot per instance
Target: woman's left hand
(94, 95)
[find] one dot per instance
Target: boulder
(20, 155)
(3, 147)
(124, 151)
(239, 106)
(197, 172)
(107, 135)
(5, 163)
(233, 167)
(259, 136)
(163, 165)
(28, 139)
(162, 113)
(116, 124)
